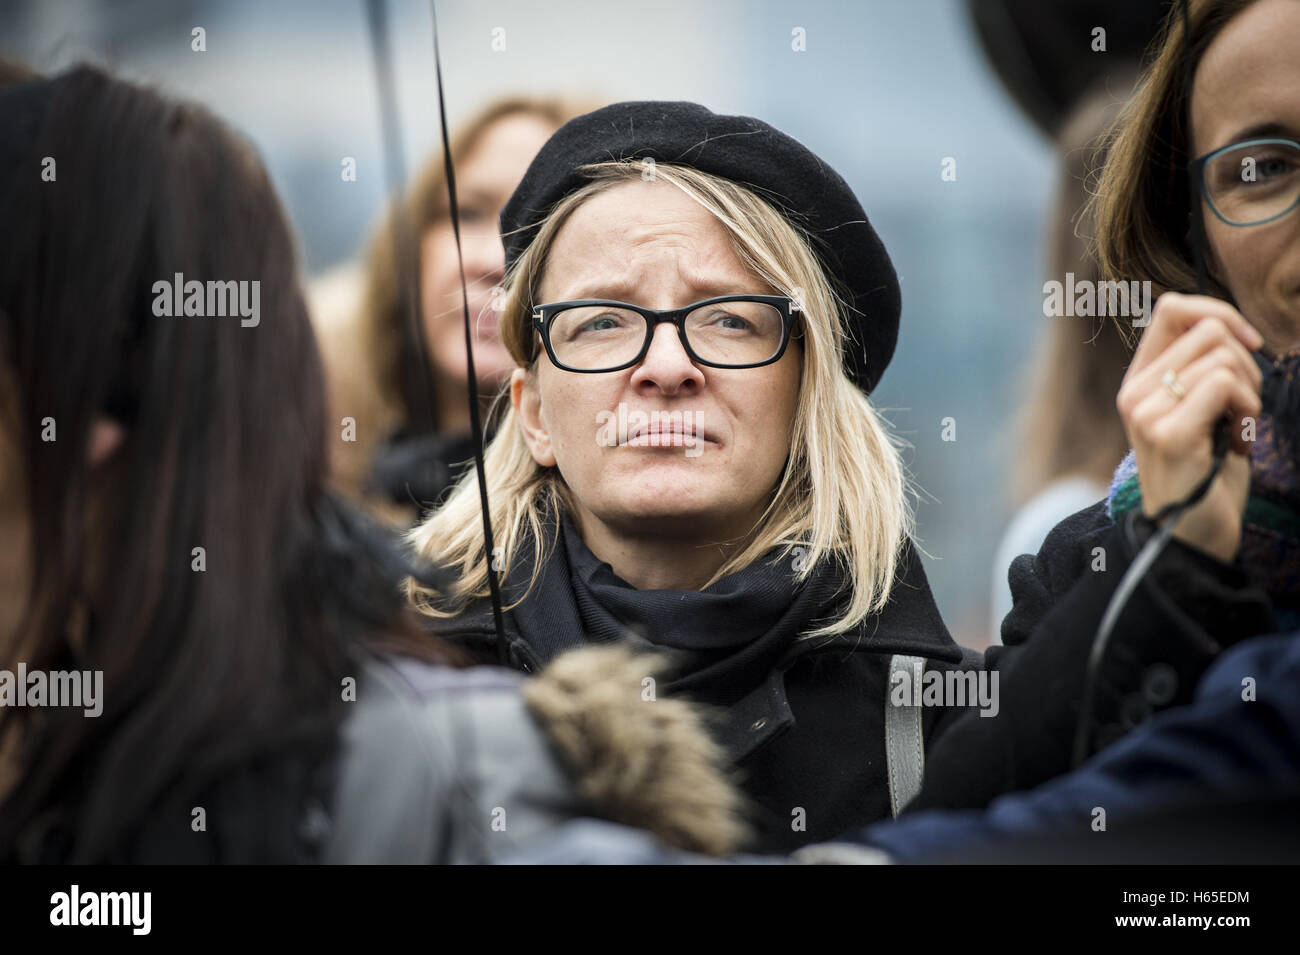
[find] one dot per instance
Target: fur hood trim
(636, 759)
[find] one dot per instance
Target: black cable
(1166, 520)
(423, 411)
(476, 424)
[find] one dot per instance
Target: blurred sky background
(885, 90)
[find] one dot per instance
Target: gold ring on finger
(1175, 387)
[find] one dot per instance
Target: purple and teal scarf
(1270, 542)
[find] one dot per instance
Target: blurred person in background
(411, 442)
(260, 692)
(1068, 66)
(1069, 432)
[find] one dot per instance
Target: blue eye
(1274, 166)
(728, 321)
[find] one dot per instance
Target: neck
(658, 561)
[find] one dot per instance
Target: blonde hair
(843, 495)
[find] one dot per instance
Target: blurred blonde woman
(407, 444)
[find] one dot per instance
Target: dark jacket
(1215, 765)
(809, 737)
(1174, 625)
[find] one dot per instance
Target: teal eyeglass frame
(1197, 168)
(543, 315)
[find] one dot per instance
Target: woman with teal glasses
(1198, 197)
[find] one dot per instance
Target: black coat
(810, 736)
(808, 740)
(1174, 625)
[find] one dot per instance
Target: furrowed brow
(711, 287)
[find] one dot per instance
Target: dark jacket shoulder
(1173, 625)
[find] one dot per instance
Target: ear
(527, 401)
(106, 436)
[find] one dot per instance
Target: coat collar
(909, 623)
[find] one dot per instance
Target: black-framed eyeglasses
(730, 331)
(1251, 182)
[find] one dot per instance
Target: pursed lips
(669, 437)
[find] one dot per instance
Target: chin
(673, 511)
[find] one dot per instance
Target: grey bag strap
(904, 743)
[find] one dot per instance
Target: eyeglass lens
(1254, 182)
(591, 337)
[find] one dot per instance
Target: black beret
(747, 151)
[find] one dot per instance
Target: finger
(1223, 353)
(1207, 336)
(1193, 419)
(1174, 314)
(1142, 421)
(1180, 323)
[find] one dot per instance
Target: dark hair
(1143, 202)
(221, 688)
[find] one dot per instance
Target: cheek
(1242, 257)
(439, 284)
(767, 413)
(568, 413)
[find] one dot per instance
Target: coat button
(1133, 710)
(758, 724)
(1159, 684)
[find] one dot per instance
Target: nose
(666, 367)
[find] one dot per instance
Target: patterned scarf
(1270, 542)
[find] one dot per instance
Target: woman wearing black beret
(699, 308)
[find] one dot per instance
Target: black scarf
(724, 639)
